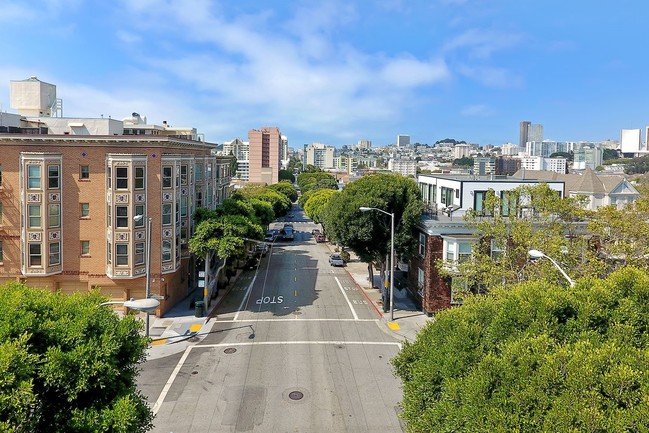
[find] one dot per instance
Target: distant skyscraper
(530, 132)
(403, 140)
(265, 155)
(630, 141)
(364, 144)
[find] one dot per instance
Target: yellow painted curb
(394, 326)
(158, 342)
(195, 327)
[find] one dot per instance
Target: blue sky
(339, 71)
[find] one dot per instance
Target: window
(53, 177)
(84, 172)
(85, 248)
(421, 278)
(0, 214)
(446, 195)
(166, 176)
(208, 198)
(109, 218)
(422, 244)
(0, 175)
(496, 250)
(121, 177)
(33, 176)
(509, 203)
(35, 255)
(85, 209)
(34, 215)
(121, 217)
(139, 210)
(166, 214)
(464, 251)
(450, 251)
(139, 177)
(183, 206)
(199, 172)
(166, 250)
(139, 253)
(183, 175)
(54, 215)
(109, 179)
(55, 253)
(121, 254)
(199, 199)
(208, 174)
(2, 257)
(109, 253)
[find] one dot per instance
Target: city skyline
(337, 73)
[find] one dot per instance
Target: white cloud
(491, 76)
(482, 44)
(478, 110)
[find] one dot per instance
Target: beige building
(265, 155)
(69, 202)
(319, 155)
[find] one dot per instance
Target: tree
(285, 188)
(536, 357)
(368, 233)
(224, 234)
(281, 204)
(610, 154)
(637, 165)
(528, 217)
(316, 180)
(317, 203)
(68, 365)
(286, 175)
(465, 161)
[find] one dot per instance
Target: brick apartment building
(70, 190)
(265, 155)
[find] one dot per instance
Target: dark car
(288, 234)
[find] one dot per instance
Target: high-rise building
(630, 141)
(588, 155)
(364, 144)
(319, 155)
(484, 165)
(545, 148)
(530, 132)
(403, 166)
(265, 155)
(77, 196)
(403, 140)
(285, 156)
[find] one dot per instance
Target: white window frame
(54, 254)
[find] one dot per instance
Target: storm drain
(295, 395)
(230, 350)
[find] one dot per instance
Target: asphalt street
(294, 347)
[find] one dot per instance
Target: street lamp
(536, 254)
(365, 209)
(136, 304)
(148, 267)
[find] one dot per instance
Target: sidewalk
(180, 328)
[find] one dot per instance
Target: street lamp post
(365, 209)
(536, 254)
(148, 267)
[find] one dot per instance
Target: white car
(336, 260)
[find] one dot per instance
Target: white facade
(557, 165)
(33, 97)
(319, 155)
(535, 132)
(511, 149)
(404, 167)
(461, 151)
(484, 165)
(630, 141)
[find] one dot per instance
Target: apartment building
(319, 155)
(265, 155)
(74, 205)
(403, 166)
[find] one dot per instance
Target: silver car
(336, 260)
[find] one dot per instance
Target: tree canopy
(317, 202)
(286, 175)
(68, 365)
(368, 233)
(285, 188)
(536, 357)
(308, 181)
(224, 234)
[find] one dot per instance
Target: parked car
(315, 232)
(271, 235)
(319, 238)
(336, 260)
(287, 233)
(261, 249)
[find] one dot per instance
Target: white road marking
(246, 296)
(170, 381)
(296, 320)
(346, 298)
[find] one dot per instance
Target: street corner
(394, 326)
(178, 331)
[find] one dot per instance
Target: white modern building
(587, 155)
(545, 148)
(462, 150)
(511, 149)
(319, 155)
(404, 167)
(538, 163)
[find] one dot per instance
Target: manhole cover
(295, 395)
(230, 350)
(194, 372)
